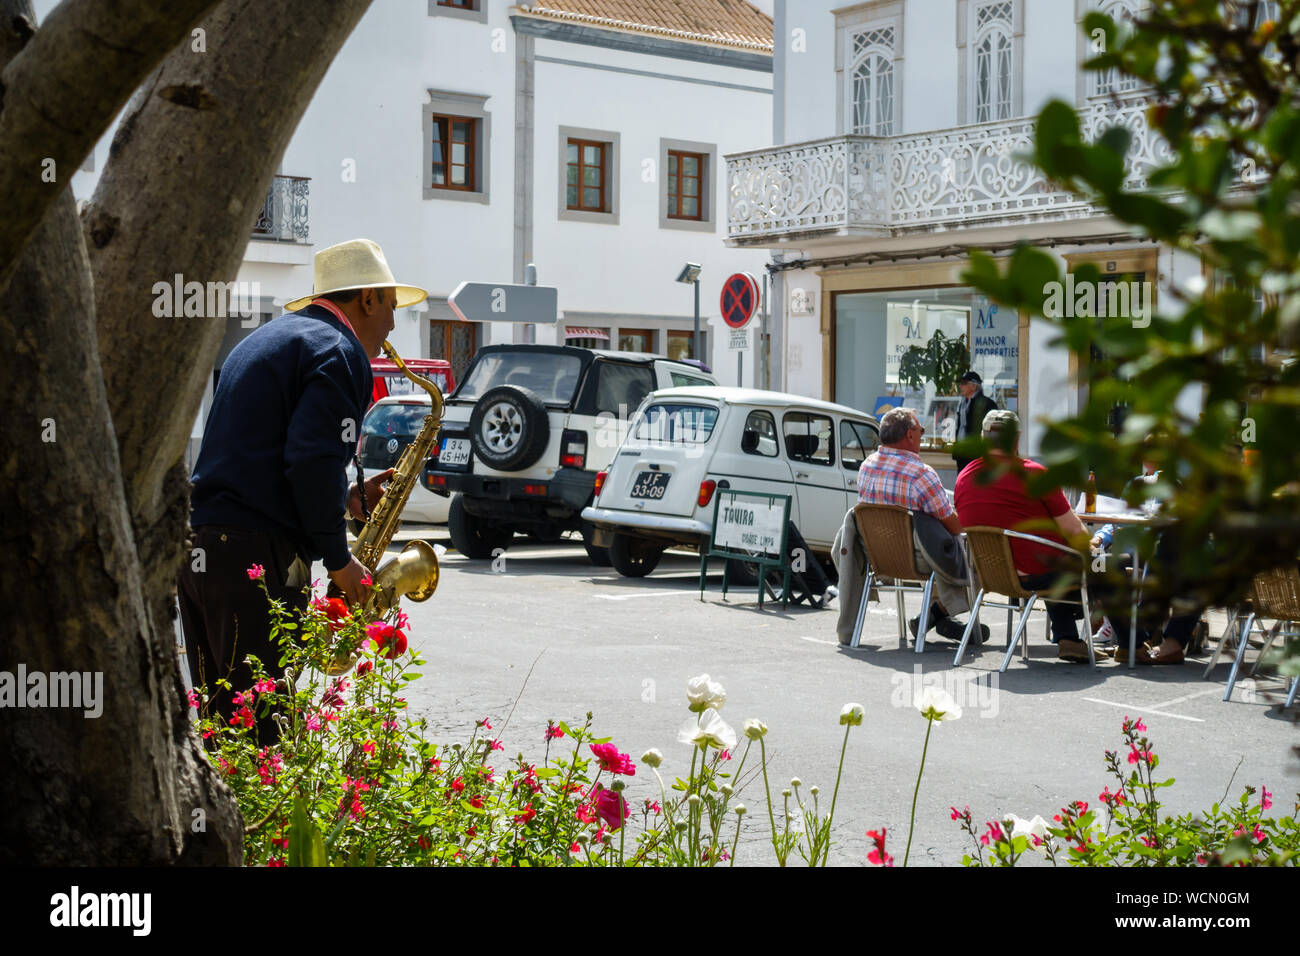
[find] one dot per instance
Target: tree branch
(62, 89)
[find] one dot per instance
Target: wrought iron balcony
(284, 214)
(846, 186)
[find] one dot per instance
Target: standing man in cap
(974, 406)
(270, 486)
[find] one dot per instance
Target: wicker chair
(1275, 596)
(886, 534)
(995, 567)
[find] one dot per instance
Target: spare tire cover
(509, 428)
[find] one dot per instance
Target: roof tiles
(733, 23)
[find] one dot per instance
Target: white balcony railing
(963, 176)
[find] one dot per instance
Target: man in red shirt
(1004, 503)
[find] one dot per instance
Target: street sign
(505, 302)
(739, 299)
(738, 340)
(750, 527)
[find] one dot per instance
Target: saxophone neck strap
(361, 487)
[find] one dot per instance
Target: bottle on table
(1090, 495)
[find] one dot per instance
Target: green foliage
(1226, 100)
(1125, 828)
(939, 361)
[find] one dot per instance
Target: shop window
(636, 340)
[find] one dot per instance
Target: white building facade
(897, 124)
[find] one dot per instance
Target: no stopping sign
(739, 299)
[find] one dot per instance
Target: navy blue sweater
(284, 425)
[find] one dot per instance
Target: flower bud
(814, 790)
(786, 794)
(652, 757)
(693, 800)
(582, 839)
(851, 715)
(738, 809)
(795, 782)
(681, 826)
(727, 789)
(617, 785)
(755, 729)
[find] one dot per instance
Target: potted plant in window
(939, 362)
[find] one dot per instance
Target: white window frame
(970, 37)
(1091, 83)
(850, 23)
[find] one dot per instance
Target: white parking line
(641, 594)
(1145, 710)
(818, 640)
(1199, 693)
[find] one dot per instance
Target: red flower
(878, 856)
(458, 785)
(385, 635)
(275, 861)
(611, 807)
(256, 572)
(476, 801)
(483, 723)
(552, 731)
(585, 813)
(613, 761)
(1136, 756)
(1135, 725)
(336, 609)
(497, 745)
(526, 816)
(1265, 799)
(960, 815)
(994, 834)
(365, 667)
(471, 832)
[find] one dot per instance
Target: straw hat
(356, 264)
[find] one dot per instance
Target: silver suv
(526, 432)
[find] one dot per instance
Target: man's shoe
(1077, 652)
(1121, 650)
(952, 629)
(1105, 635)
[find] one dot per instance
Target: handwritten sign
(750, 523)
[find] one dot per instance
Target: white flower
(935, 703)
(709, 731)
(652, 757)
(705, 693)
(1037, 827)
(755, 728)
(739, 810)
(852, 715)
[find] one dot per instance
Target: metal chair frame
(1274, 595)
(1009, 583)
(881, 567)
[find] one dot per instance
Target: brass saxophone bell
(413, 574)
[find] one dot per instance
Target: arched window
(873, 81)
(994, 67)
(1105, 82)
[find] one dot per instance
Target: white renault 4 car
(686, 443)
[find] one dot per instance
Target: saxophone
(414, 572)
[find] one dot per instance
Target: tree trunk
(94, 520)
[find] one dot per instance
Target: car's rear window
(677, 424)
(394, 419)
(552, 376)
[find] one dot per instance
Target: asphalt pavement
(541, 635)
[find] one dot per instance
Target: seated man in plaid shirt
(896, 475)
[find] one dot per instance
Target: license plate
(455, 451)
(650, 484)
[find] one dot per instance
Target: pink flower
(1116, 799)
(585, 813)
(264, 686)
(553, 732)
(256, 572)
(1148, 842)
(611, 807)
(1135, 725)
(194, 699)
(368, 747)
(1137, 756)
(367, 580)
(483, 723)
(574, 848)
(960, 814)
(498, 745)
(1259, 833)
(878, 856)
(1265, 798)
(995, 833)
(613, 761)
(725, 755)
(655, 808)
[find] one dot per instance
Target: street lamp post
(691, 273)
